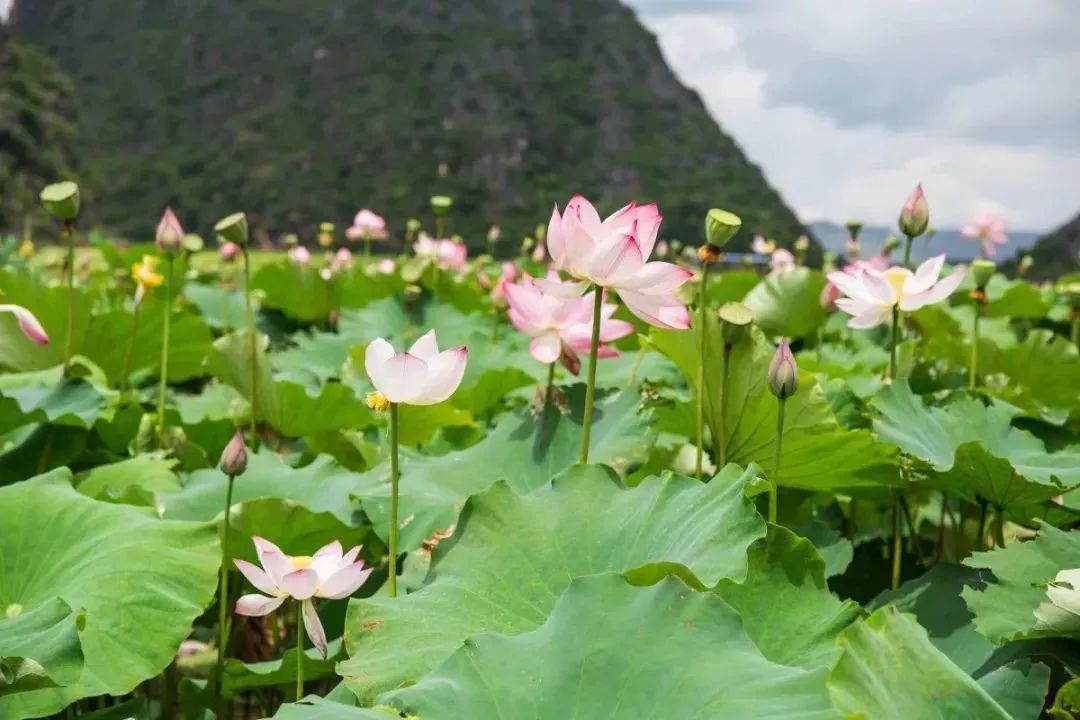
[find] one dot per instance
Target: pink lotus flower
(561, 327)
(300, 255)
(830, 293)
(494, 233)
(367, 225)
(872, 294)
(988, 229)
(447, 253)
(613, 254)
(782, 261)
(329, 573)
(508, 274)
(28, 323)
(385, 266)
(539, 253)
(342, 260)
(170, 235)
(228, 251)
(421, 376)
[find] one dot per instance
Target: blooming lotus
(830, 293)
(228, 251)
(988, 229)
(421, 376)
(385, 266)
(613, 253)
(342, 260)
(782, 261)
(146, 276)
(561, 327)
(872, 294)
(329, 573)
(300, 255)
(368, 224)
(447, 253)
(761, 246)
(28, 323)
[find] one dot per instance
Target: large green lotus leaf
(109, 335)
(241, 676)
(32, 449)
(317, 708)
(362, 288)
(786, 607)
(583, 523)
(315, 356)
(817, 453)
(217, 401)
(1015, 299)
(972, 450)
(1020, 688)
(298, 292)
(39, 648)
(788, 303)
(889, 670)
(320, 486)
(523, 450)
(285, 405)
(731, 286)
(139, 581)
(292, 527)
(934, 598)
(613, 650)
(135, 481)
(1016, 583)
(73, 402)
(50, 306)
(220, 307)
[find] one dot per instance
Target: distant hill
(299, 112)
(1058, 252)
(955, 246)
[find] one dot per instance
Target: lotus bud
(720, 227)
(828, 297)
(493, 234)
(61, 200)
(802, 243)
(441, 204)
(234, 457)
(527, 245)
(783, 372)
(735, 321)
(412, 226)
(828, 262)
(170, 236)
(854, 227)
(891, 243)
(233, 228)
(541, 233)
(982, 271)
(915, 215)
(290, 240)
(1025, 264)
(326, 234)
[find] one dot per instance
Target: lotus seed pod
(61, 200)
(982, 271)
(233, 228)
(720, 227)
(735, 321)
(441, 204)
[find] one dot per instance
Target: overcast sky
(846, 104)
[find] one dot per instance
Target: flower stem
(164, 379)
(999, 527)
(223, 600)
(126, 371)
(980, 540)
(721, 421)
(367, 246)
(300, 650)
(897, 545)
(250, 315)
(773, 488)
(701, 371)
(590, 388)
(895, 340)
(550, 383)
(394, 476)
(1076, 327)
(69, 336)
(974, 346)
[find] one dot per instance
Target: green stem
(394, 477)
(980, 540)
(163, 381)
(367, 246)
(250, 314)
(914, 546)
(894, 341)
(550, 383)
(223, 600)
(69, 336)
(590, 388)
(974, 346)
(168, 692)
(907, 251)
(897, 544)
(999, 527)
(775, 485)
(300, 650)
(494, 324)
(701, 371)
(130, 350)
(721, 421)
(1076, 327)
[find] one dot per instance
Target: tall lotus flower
(988, 229)
(342, 260)
(370, 224)
(872, 294)
(447, 253)
(561, 327)
(782, 261)
(228, 251)
(830, 293)
(170, 235)
(28, 323)
(915, 214)
(330, 573)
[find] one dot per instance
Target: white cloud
(5, 8)
(847, 104)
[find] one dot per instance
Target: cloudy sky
(847, 103)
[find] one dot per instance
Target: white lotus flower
(872, 294)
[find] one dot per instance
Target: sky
(846, 104)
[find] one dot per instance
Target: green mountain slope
(304, 111)
(1057, 252)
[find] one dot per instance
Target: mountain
(955, 246)
(1058, 252)
(302, 112)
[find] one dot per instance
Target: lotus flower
(447, 253)
(830, 293)
(228, 251)
(300, 255)
(329, 573)
(170, 235)
(421, 376)
(494, 233)
(782, 261)
(613, 254)
(1061, 610)
(561, 327)
(507, 275)
(367, 225)
(342, 260)
(146, 276)
(872, 294)
(28, 323)
(385, 266)
(988, 229)
(761, 246)
(783, 375)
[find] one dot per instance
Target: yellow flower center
(377, 401)
(896, 277)
(300, 562)
(144, 272)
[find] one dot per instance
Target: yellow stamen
(301, 561)
(144, 273)
(896, 277)
(377, 401)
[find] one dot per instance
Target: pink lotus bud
(229, 250)
(170, 235)
(28, 323)
(783, 372)
(915, 215)
(234, 457)
(539, 254)
(493, 234)
(829, 295)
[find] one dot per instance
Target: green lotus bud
(290, 240)
(915, 214)
(735, 321)
(441, 204)
(326, 227)
(61, 200)
(828, 262)
(233, 228)
(982, 271)
(192, 243)
(854, 227)
(540, 233)
(412, 226)
(720, 227)
(783, 372)
(802, 243)
(234, 458)
(891, 243)
(1025, 264)
(527, 244)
